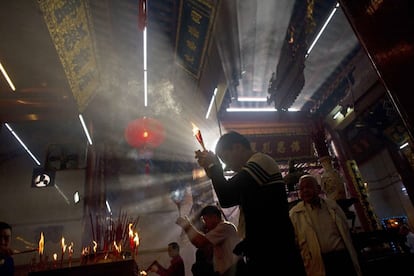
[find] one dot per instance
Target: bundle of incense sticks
(197, 134)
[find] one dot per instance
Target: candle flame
(70, 248)
(41, 243)
(130, 232)
(136, 239)
(55, 256)
(95, 246)
(63, 245)
(85, 251)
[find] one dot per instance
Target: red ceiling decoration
(145, 132)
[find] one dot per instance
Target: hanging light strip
(213, 98)
(85, 129)
(6, 76)
(322, 29)
(144, 33)
(21, 143)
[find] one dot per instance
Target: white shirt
(224, 238)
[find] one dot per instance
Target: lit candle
(95, 247)
(131, 238)
(55, 256)
(197, 135)
(70, 252)
(136, 241)
(63, 245)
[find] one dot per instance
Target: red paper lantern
(145, 132)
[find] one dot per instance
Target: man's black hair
(4, 225)
(227, 140)
(210, 210)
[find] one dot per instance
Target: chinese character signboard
(283, 147)
(68, 26)
(196, 18)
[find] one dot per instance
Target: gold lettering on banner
(194, 32)
(191, 45)
(295, 146)
(267, 148)
(281, 148)
(68, 25)
(189, 59)
(196, 17)
(194, 28)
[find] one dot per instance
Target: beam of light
(85, 129)
(62, 194)
(6, 76)
(144, 33)
(213, 98)
(21, 143)
(252, 99)
(243, 109)
(322, 29)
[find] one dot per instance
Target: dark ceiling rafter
(287, 82)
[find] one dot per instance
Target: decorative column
(331, 181)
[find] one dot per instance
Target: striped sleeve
(263, 169)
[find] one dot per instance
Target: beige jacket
(308, 241)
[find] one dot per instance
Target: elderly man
(322, 233)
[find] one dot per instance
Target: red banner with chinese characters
(283, 147)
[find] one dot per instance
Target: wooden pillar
(385, 29)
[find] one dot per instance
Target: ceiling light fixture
(337, 114)
(85, 129)
(76, 197)
(243, 109)
(21, 143)
(322, 29)
(6, 76)
(213, 99)
(252, 99)
(404, 145)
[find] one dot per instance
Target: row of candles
(86, 251)
(64, 246)
(133, 239)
